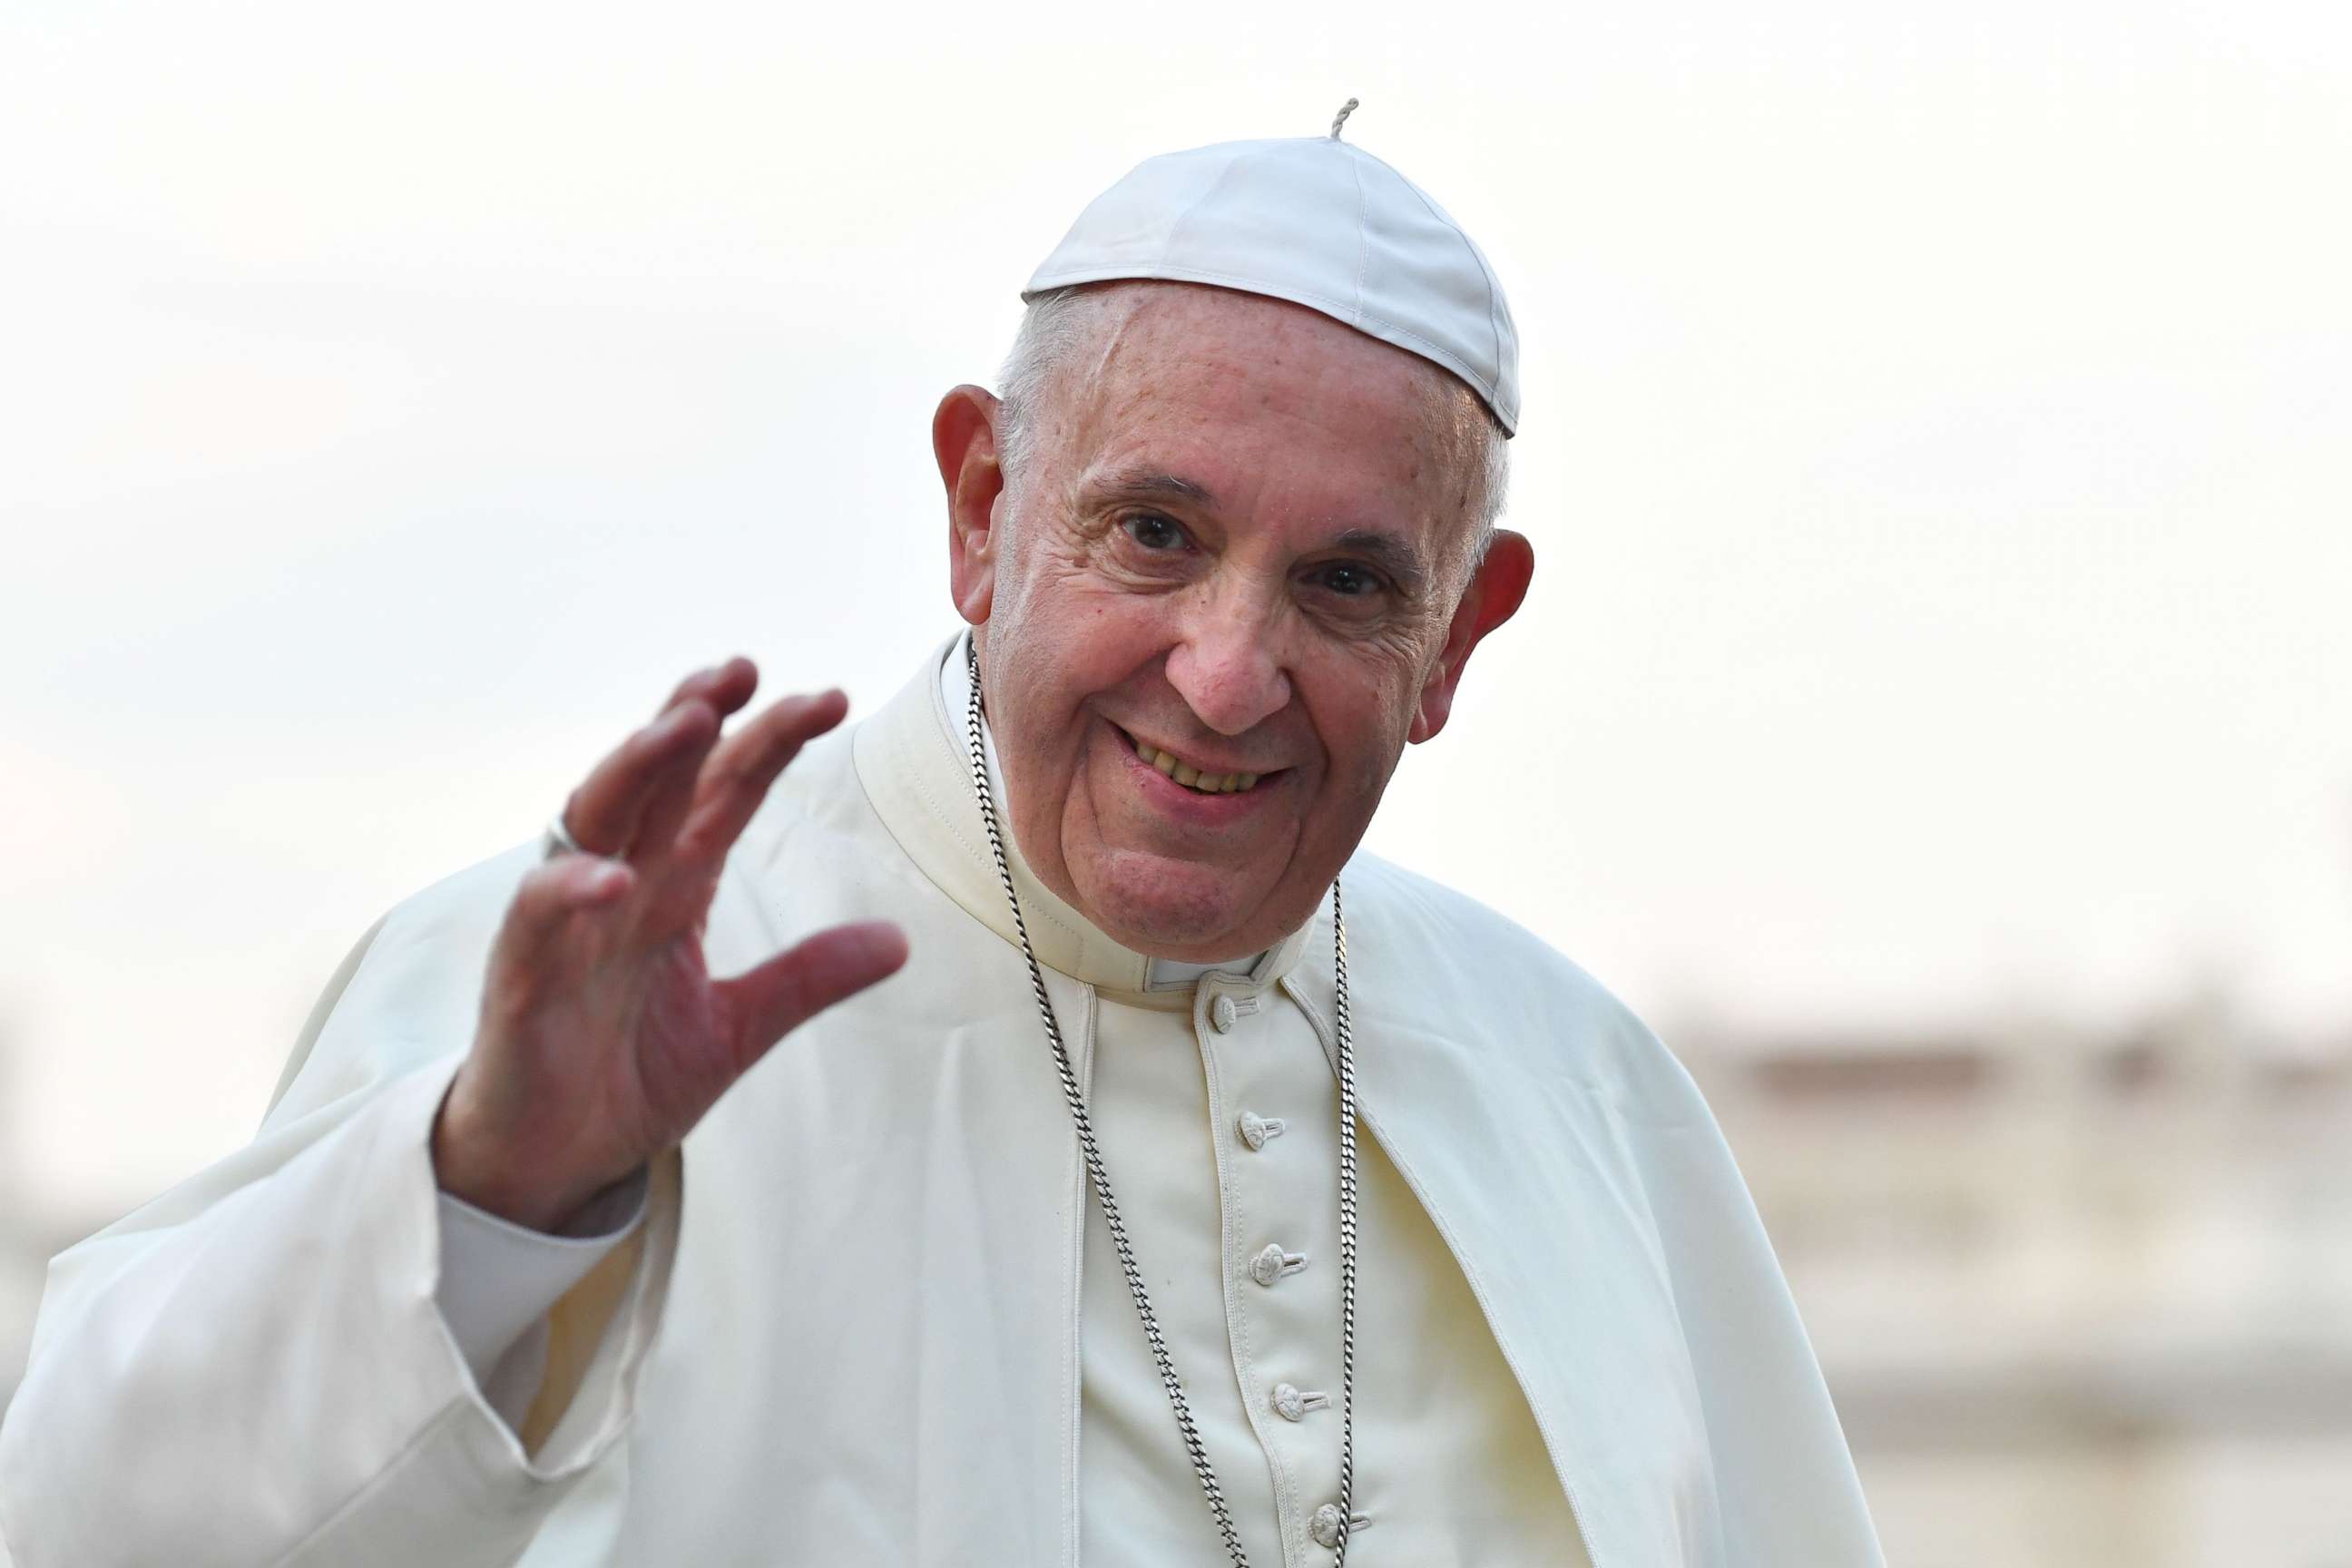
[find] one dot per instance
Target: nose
(1227, 668)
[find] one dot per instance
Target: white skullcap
(1318, 222)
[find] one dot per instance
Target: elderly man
(1202, 1189)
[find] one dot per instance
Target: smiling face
(1229, 584)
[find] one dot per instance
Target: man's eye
(1153, 531)
(1349, 579)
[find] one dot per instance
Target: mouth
(1193, 777)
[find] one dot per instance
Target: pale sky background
(1934, 448)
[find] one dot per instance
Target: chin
(1170, 909)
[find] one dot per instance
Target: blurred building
(2081, 1301)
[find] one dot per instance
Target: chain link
(1347, 1225)
(1195, 1449)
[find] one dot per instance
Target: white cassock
(870, 1315)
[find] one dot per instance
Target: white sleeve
(499, 1280)
(257, 1367)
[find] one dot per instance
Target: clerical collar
(914, 763)
(1168, 975)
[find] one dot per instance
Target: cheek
(1062, 644)
(1363, 773)
(1367, 712)
(1083, 637)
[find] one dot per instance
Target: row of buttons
(1272, 1263)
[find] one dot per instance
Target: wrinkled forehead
(1246, 392)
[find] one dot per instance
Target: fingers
(725, 687)
(669, 796)
(739, 774)
(540, 921)
(767, 1003)
(605, 812)
(674, 784)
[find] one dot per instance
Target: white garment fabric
(854, 1322)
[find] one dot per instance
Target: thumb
(765, 1004)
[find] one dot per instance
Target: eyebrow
(1395, 556)
(1149, 484)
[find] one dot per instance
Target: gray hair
(1058, 324)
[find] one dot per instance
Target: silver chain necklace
(1193, 1447)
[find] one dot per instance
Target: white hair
(1058, 324)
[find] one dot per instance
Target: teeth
(1185, 774)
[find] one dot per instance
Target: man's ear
(1492, 598)
(963, 439)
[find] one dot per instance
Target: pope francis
(1199, 1190)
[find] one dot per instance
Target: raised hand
(603, 1037)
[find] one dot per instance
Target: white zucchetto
(1315, 221)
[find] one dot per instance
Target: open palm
(604, 1039)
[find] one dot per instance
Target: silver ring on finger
(558, 840)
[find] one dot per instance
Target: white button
(1325, 1525)
(1272, 1263)
(1292, 1404)
(1255, 1129)
(1222, 1014)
